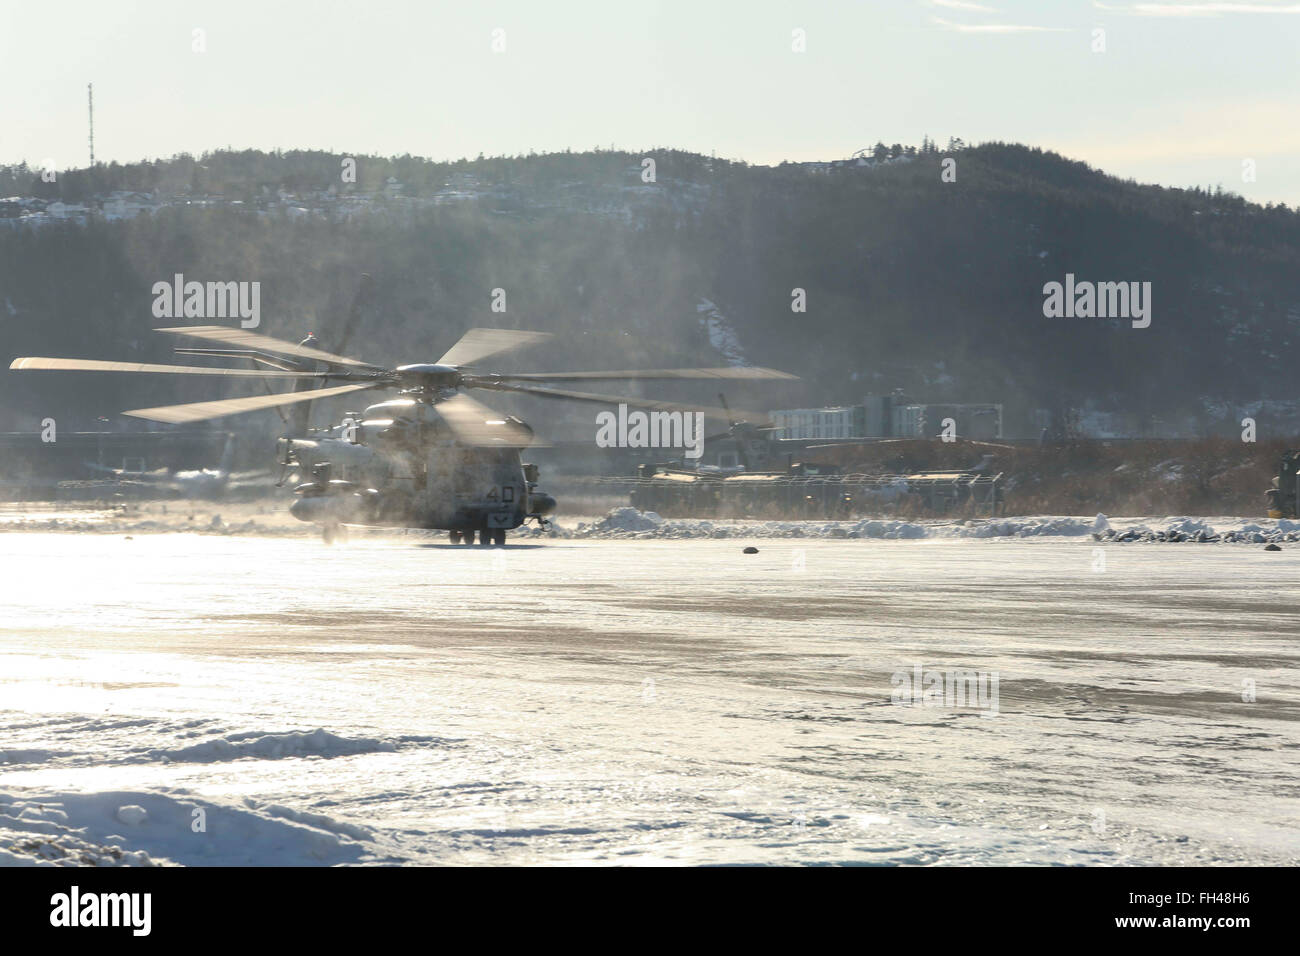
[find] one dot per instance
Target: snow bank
(1023, 528)
(630, 523)
(627, 519)
(318, 743)
(168, 828)
(1188, 526)
(1199, 530)
(627, 522)
(111, 522)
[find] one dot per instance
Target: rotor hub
(428, 376)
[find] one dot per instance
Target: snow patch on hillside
(721, 333)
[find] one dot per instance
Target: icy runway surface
(203, 699)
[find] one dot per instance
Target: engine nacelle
(334, 502)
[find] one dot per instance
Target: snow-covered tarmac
(200, 698)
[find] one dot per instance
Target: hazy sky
(1183, 93)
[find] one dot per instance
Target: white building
(124, 204)
(805, 423)
(889, 416)
(65, 210)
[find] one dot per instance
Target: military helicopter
(205, 483)
(431, 458)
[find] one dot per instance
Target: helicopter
(431, 458)
(207, 483)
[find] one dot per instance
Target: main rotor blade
(94, 365)
(262, 358)
(650, 403)
(478, 344)
(475, 424)
(737, 372)
(246, 339)
(198, 411)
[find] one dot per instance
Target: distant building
(124, 204)
(859, 160)
(976, 422)
(888, 416)
(66, 210)
(804, 423)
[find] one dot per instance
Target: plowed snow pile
(274, 746)
(167, 828)
(631, 523)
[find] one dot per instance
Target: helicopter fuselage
(400, 465)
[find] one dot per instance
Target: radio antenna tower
(90, 97)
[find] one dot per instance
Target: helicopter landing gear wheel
(454, 537)
(499, 537)
(331, 532)
(485, 537)
(467, 537)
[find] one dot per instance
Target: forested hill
(910, 281)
